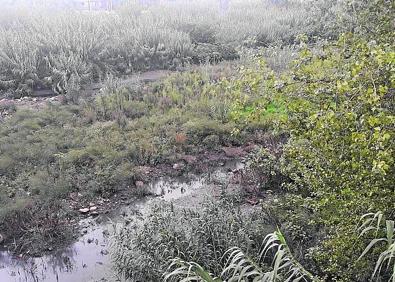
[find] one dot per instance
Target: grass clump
(200, 236)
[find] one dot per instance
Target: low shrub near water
(36, 227)
(141, 251)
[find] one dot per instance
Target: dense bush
(341, 118)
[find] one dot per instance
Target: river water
(89, 259)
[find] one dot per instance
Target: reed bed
(42, 48)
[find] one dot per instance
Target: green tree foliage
(341, 125)
(339, 106)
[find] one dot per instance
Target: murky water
(88, 259)
(85, 260)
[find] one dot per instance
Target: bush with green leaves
(338, 114)
(341, 118)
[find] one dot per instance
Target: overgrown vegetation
(40, 50)
(330, 114)
(336, 105)
(142, 254)
(97, 148)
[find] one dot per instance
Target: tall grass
(384, 234)
(285, 267)
(142, 250)
(38, 47)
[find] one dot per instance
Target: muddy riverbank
(89, 257)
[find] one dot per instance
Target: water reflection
(85, 260)
(88, 259)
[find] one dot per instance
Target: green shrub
(264, 167)
(341, 144)
(337, 108)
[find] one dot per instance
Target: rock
(233, 152)
(1, 239)
(84, 210)
(93, 208)
(253, 201)
(178, 166)
(91, 204)
(94, 213)
(139, 184)
(90, 241)
(189, 159)
(104, 252)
